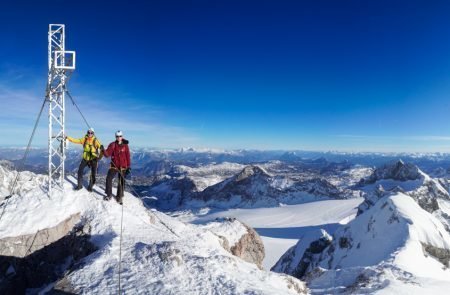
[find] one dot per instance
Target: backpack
(97, 152)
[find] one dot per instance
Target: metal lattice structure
(61, 64)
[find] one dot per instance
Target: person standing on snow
(91, 155)
(120, 163)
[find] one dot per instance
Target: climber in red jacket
(120, 163)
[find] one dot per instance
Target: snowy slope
(192, 260)
(402, 177)
(281, 227)
(25, 182)
(394, 245)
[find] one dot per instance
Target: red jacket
(119, 153)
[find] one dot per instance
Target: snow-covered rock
(25, 182)
(207, 175)
(396, 171)
(240, 239)
(394, 245)
(160, 255)
(297, 260)
(255, 187)
(402, 177)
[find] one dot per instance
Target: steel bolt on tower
(61, 64)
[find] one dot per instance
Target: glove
(128, 171)
(102, 148)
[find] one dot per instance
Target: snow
(299, 250)
(232, 230)
(207, 175)
(385, 243)
(444, 205)
(289, 216)
(275, 248)
(281, 227)
(26, 181)
(383, 230)
(351, 176)
(154, 260)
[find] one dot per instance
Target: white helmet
(119, 133)
(91, 130)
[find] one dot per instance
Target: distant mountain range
(148, 160)
(397, 240)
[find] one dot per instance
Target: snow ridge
(154, 260)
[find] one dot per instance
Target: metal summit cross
(61, 64)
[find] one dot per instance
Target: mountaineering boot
(90, 188)
(107, 198)
(119, 199)
(77, 188)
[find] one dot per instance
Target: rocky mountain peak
(397, 170)
(250, 171)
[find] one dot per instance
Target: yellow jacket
(91, 146)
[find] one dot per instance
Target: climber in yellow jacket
(91, 154)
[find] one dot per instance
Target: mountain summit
(397, 170)
(395, 246)
(72, 243)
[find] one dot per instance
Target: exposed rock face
(251, 171)
(250, 247)
(314, 249)
(397, 171)
(239, 239)
(443, 255)
(248, 186)
(63, 286)
(53, 252)
(318, 187)
(172, 192)
(299, 258)
(405, 178)
(254, 187)
(27, 244)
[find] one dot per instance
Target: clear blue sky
(317, 75)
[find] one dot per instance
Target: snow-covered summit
(402, 177)
(393, 246)
(251, 171)
(160, 255)
(397, 170)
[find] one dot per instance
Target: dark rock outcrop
(48, 260)
(442, 255)
(396, 171)
(299, 259)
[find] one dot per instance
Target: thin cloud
(142, 122)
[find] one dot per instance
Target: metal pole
(60, 64)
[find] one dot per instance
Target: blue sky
(314, 75)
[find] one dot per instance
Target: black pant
(121, 185)
(83, 164)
